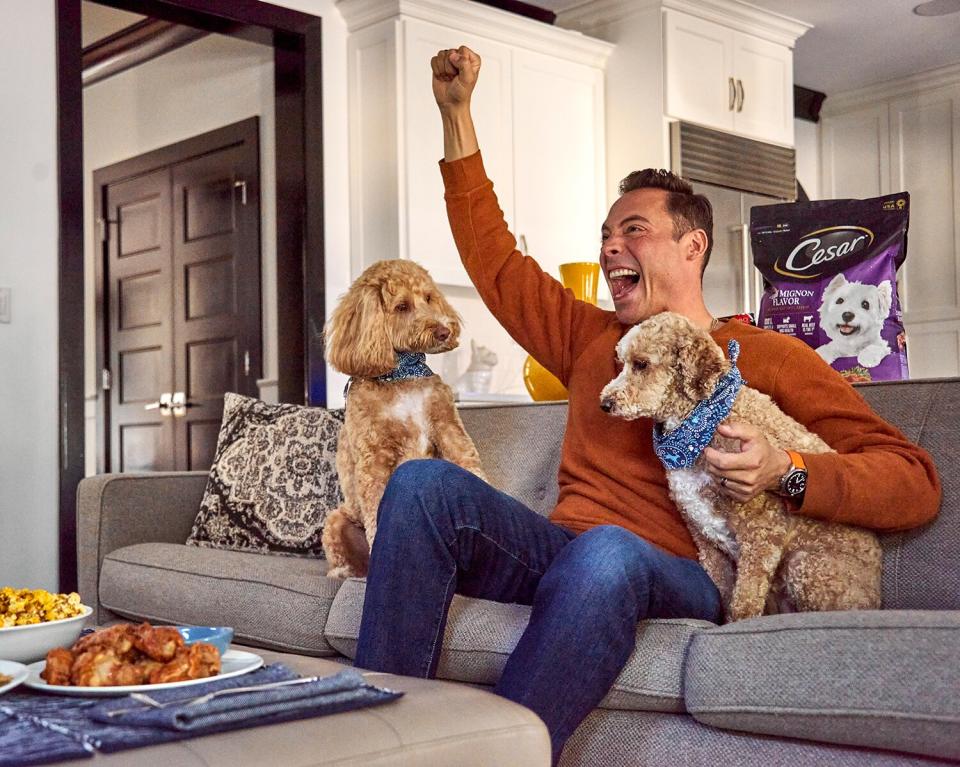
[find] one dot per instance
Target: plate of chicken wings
(125, 658)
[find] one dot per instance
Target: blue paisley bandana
(409, 365)
(681, 448)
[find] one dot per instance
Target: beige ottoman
(434, 724)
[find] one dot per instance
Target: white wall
(29, 483)
(29, 265)
(200, 87)
(807, 141)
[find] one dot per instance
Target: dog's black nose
(606, 405)
(441, 333)
(848, 316)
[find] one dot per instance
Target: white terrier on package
(852, 314)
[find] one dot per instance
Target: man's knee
(611, 562)
(419, 485)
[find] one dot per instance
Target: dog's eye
(839, 300)
(865, 305)
(640, 365)
(403, 306)
(429, 298)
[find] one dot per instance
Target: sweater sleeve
(534, 308)
(877, 478)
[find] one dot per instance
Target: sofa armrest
(117, 510)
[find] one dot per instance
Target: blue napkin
(343, 691)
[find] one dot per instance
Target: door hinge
(106, 379)
(242, 185)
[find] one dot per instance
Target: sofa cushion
(276, 602)
(521, 465)
(481, 634)
(656, 739)
(918, 564)
(273, 479)
(882, 679)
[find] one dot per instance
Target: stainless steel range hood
(721, 159)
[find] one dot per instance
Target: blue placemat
(39, 728)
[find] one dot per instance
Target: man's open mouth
(848, 330)
(622, 281)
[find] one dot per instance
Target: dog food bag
(830, 278)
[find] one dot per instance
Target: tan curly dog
(394, 306)
(760, 556)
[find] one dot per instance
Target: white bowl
(25, 644)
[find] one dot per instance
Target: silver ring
(723, 481)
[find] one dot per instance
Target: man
(615, 549)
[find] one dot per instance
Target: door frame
(245, 131)
(296, 41)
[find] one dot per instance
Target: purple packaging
(830, 279)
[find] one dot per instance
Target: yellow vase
(580, 277)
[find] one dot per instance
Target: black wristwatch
(793, 484)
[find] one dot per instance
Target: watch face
(795, 483)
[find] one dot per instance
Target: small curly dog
(760, 556)
(397, 409)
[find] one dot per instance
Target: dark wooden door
(182, 288)
(140, 297)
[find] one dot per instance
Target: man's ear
(696, 244)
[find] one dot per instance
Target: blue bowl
(219, 636)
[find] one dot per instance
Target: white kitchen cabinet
(905, 136)
(539, 112)
(728, 80)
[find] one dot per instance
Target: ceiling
(853, 43)
(856, 42)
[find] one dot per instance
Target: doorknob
(163, 404)
(180, 404)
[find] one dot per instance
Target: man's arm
(876, 479)
(534, 308)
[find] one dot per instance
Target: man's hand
(455, 72)
(756, 468)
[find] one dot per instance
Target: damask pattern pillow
(273, 479)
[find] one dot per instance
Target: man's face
(643, 264)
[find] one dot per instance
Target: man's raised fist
(455, 72)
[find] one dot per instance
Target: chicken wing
(59, 662)
(161, 643)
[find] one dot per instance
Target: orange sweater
(609, 473)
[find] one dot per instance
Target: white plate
(233, 663)
(18, 671)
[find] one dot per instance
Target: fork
(149, 701)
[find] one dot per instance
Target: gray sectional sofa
(863, 688)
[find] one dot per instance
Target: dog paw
(340, 572)
(872, 356)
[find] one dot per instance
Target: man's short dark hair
(688, 209)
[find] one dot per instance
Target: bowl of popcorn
(34, 621)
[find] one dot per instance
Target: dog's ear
(701, 364)
(836, 283)
(356, 335)
(885, 291)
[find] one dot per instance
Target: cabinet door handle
(733, 94)
(522, 242)
(740, 95)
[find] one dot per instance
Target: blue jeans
(442, 530)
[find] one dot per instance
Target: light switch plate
(4, 304)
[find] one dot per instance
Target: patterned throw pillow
(273, 479)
